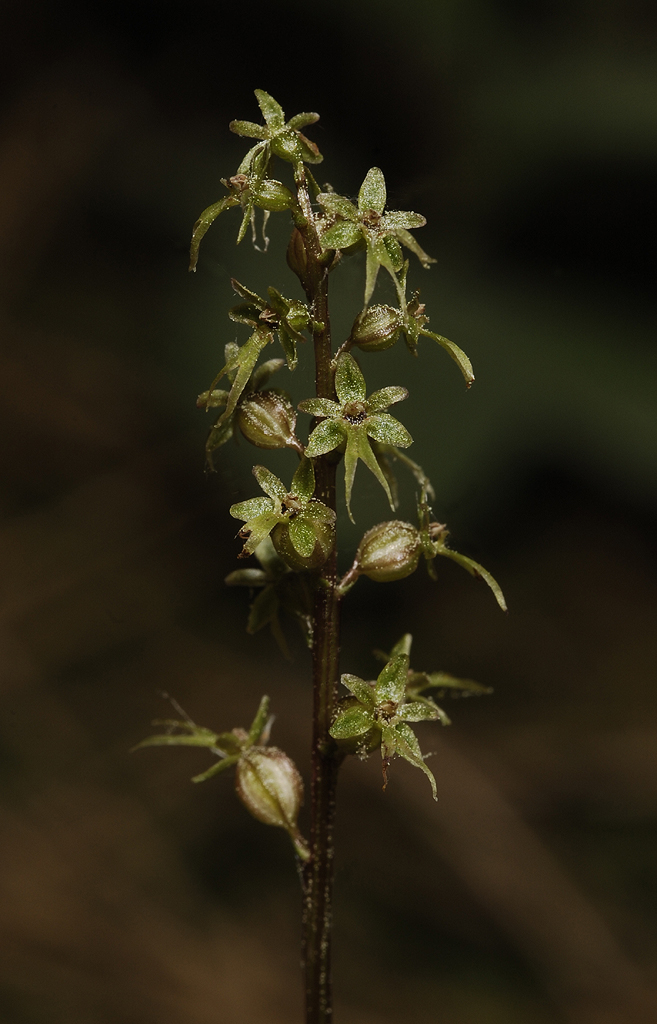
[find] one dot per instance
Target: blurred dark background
(527, 134)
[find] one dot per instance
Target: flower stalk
(293, 532)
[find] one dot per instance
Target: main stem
(318, 872)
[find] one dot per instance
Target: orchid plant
(291, 532)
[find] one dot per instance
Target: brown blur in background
(527, 134)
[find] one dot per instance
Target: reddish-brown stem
(318, 871)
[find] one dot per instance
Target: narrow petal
(457, 354)
(475, 569)
(409, 749)
(349, 381)
(411, 244)
(387, 430)
(403, 646)
(325, 437)
(260, 721)
(204, 222)
(258, 528)
(372, 194)
(371, 272)
(270, 484)
(367, 455)
(216, 769)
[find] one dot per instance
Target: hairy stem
(318, 871)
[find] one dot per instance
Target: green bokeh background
(527, 134)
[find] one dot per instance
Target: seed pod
(273, 195)
(389, 551)
(267, 419)
(270, 787)
(324, 540)
(376, 328)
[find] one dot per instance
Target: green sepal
(255, 530)
(250, 508)
(407, 239)
(372, 193)
(303, 481)
(380, 400)
(270, 109)
(319, 407)
(325, 437)
(417, 711)
(349, 381)
(217, 768)
(396, 220)
(361, 690)
(403, 646)
(395, 254)
(354, 721)
(248, 129)
(334, 203)
(342, 235)
(302, 120)
(442, 681)
(208, 216)
(391, 683)
(270, 483)
(385, 429)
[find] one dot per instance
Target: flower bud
(376, 328)
(389, 551)
(267, 419)
(270, 787)
(297, 257)
(325, 538)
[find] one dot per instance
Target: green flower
(288, 317)
(282, 137)
(377, 714)
(302, 528)
(279, 588)
(381, 232)
(251, 185)
(353, 420)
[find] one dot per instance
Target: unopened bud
(376, 328)
(270, 787)
(267, 419)
(389, 551)
(297, 257)
(324, 540)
